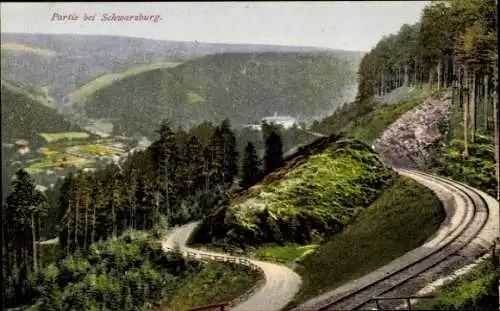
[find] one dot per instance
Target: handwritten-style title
(106, 17)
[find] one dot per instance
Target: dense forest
(453, 46)
(180, 177)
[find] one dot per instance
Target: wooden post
(377, 304)
(408, 302)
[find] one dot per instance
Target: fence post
(409, 303)
(377, 304)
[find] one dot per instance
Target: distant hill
(243, 87)
(24, 116)
(63, 62)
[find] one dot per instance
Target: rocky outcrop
(406, 142)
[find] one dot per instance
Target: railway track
(468, 223)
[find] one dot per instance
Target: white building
(285, 121)
(255, 127)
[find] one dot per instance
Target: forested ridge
(243, 87)
(453, 47)
(24, 117)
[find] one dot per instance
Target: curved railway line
(471, 222)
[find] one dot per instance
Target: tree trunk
(496, 130)
(465, 108)
(439, 72)
(472, 90)
(77, 218)
(86, 224)
(454, 82)
(415, 74)
(113, 216)
(406, 78)
(39, 236)
(92, 233)
(382, 93)
(446, 72)
(68, 240)
(157, 207)
(33, 234)
(431, 76)
(486, 102)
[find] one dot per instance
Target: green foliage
(345, 115)
(21, 226)
(476, 170)
(447, 156)
(216, 282)
(402, 218)
(251, 167)
(120, 274)
(475, 290)
(287, 254)
(273, 156)
(366, 119)
(319, 195)
(371, 126)
(239, 86)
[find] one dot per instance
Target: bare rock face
(405, 143)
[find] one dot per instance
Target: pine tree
(251, 167)
(164, 153)
(230, 154)
(24, 205)
(273, 157)
(193, 156)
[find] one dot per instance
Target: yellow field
(97, 149)
(59, 160)
(193, 97)
(17, 47)
(51, 137)
(47, 152)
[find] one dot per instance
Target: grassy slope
(24, 117)
(477, 289)
(310, 197)
(89, 88)
(216, 282)
(367, 119)
(401, 219)
(369, 127)
(243, 87)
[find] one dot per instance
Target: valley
(159, 175)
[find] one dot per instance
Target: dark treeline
(454, 45)
(179, 178)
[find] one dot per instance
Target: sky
(348, 25)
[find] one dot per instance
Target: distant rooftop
(278, 118)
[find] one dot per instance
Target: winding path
(281, 283)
